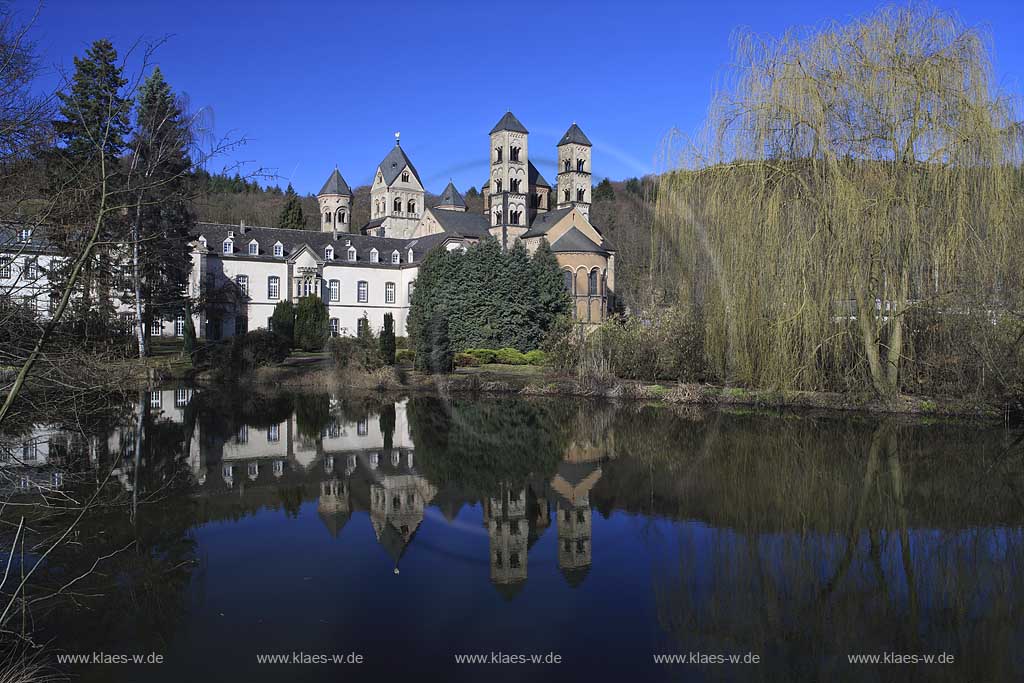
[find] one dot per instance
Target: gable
(305, 257)
(573, 219)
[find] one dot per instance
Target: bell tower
(574, 172)
(508, 186)
(335, 200)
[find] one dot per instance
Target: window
(327, 217)
(335, 290)
(398, 205)
(579, 165)
(243, 434)
(592, 283)
(567, 195)
(341, 217)
(278, 467)
(31, 270)
(307, 287)
(497, 153)
(243, 284)
(254, 470)
(363, 428)
(335, 327)
(254, 249)
(374, 255)
(179, 326)
(412, 286)
(389, 293)
(278, 250)
(180, 398)
(241, 324)
(497, 185)
(408, 256)
(273, 287)
(228, 247)
(411, 206)
(156, 328)
(329, 253)
(25, 235)
(5, 270)
(567, 165)
(351, 253)
(567, 274)
(155, 399)
(405, 176)
(29, 451)
(396, 257)
(580, 193)
(497, 217)
(513, 185)
(514, 217)
(513, 153)
(362, 292)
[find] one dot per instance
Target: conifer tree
(311, 324)
(291, 214)
(282, 321)
(604, 192)
(550, 295)
(387, 340)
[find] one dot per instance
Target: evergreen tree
(291, 214)
(282, 321)
(163, 219)
(438, 357)
(190, 334)
(550, 294)
(604, 192)
(387, 340)
(85, 175)
(311, 324)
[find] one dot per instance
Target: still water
(409, 533)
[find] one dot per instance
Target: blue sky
(311, 85)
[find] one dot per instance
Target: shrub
(535, 357)
(282, 321)
(405, 356)
(466, 360)
(259, 348)
(485, 356)
(387, 340)
(509, 356)
(355, 352)
(311, 324)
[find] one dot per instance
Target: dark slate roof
(574, 136)
(535, 178)
(462, 223)
(451, 197)
(335, 185)
(39, 242)
(509, 122)
(574, 577)
(294, 240)
(394, 162)
(574, 240)
(544, 221)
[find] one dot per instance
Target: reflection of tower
(398, 499)
(570, 489)
(333, 505)
(508, 528)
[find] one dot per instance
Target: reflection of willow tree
(902, 538)
(478, 445)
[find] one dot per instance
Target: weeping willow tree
(845, 175)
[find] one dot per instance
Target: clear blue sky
(311, 85)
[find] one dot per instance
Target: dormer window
(229, 246)
(329, 253)
(408, 257)
(405, 176)
(202, 242)
(25, 235)
(351, 253)
(278, 250)
(374, 255)
(254, 248)
(396, 257)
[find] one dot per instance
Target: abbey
(241, 273)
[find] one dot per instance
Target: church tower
(508, 186)
(335, 199)
(574, 180)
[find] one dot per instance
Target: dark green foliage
(360, 352)
(312, 414)
(244, 353)
(508, 356)
(291, 214)
(483, 355)
(405, 356)
(311, 324)
(387, 340)
(434, 348)
(536, 357)
(466, 360)
(283, 320)
(190, 333)
(491, 298)
(604, 192)
(387, 425)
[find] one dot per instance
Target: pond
(556, 540)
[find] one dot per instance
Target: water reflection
(802, 539)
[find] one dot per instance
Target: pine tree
(551, 298)
(311, 324)
(291, 214)
(163, 219)
(190, 334)
(604, 192)
(438, 354)
(387, 340)
(282, 321)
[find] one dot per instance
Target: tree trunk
(896, 321)
(140, 329)
(869, 340)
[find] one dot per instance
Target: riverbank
(316, 372)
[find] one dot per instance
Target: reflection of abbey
(362, 466)
(371, 269)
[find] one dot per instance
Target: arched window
(229, 247)
(327, 217)
(579, 165)
(567, 165)
(351, 253)
(513, 153)
(411, 206)
(497, 185)
(513, 185)
(592, 283)
(497, 217)
(374, 254)
(580, 194)
(341, 217)
(405, 176)
(567, 195)
(396, 257)
(398, 205)
(254, 248)
(568, 279)
(497, 153)
(329, 253)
